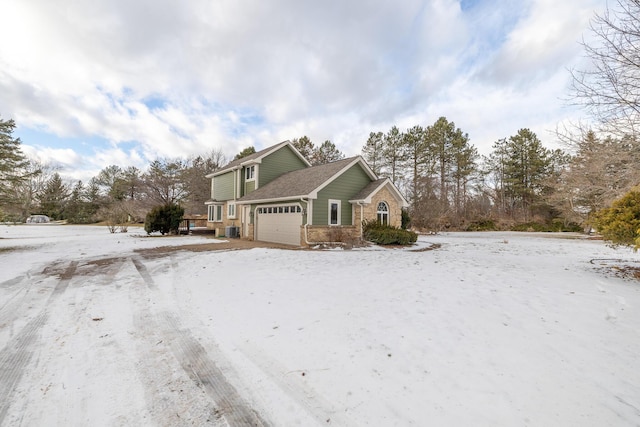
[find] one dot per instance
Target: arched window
(383, 213)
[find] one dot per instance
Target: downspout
(361, 220)
(237, 170)
(306, 223)
(306, 231)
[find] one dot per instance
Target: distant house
(38, 219)
(275, 195)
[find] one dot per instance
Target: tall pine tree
(53, 199)
(13, 165)
(527, 168)
(304, 146)
(327, 152)
(394, 155)
(372, 151)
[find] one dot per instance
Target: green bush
(482, 225)
(532, 226)
(620, 224)
(557, 225)
(380, 234)
(165, 219)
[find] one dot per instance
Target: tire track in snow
(17, 354)
(144, 273)
(11, 303)
(197, 363)
(14, 358)
(320, 409)
(11, 282)
(195, 360)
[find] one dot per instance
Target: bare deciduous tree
(198, 187)
(600, 171)
(164, 181)
(610, 90)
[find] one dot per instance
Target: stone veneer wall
(371, 210)
(220, 226)
(250, 236)
(326, 233)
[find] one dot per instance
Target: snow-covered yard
(489, 329)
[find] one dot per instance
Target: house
(38, 219)
(275, 195)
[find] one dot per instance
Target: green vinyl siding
(279, 162)
(342, 188)
(223, 186)
(249, 186)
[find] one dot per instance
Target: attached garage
(279, 224)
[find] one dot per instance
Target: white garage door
(279, 224)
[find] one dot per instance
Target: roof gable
(353, 161)
(366, 194)
(305, 182)
(257, 158)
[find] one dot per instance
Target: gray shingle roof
(366, 191)
(297, 183)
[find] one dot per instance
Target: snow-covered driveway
(490, 329)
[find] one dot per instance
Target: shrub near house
(165, 219)
(382, 234)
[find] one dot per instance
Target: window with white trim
(334, 212)
(284, 209)
(250, 173)
(231, 210)
(214, 213)
(382, 213)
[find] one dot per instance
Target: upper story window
(383, 213)
(334, 212)
(250, 173)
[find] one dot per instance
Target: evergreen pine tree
(372, 151)
(13, 163)
(327, 152)
(305, 147)
(53, 199)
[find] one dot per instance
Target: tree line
(519, 184)
(115, 194)
(449, 185)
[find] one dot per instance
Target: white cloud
(63, 158)
(230, 74)
(542, 42)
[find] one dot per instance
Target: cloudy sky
(123, 82)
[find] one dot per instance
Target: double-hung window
(215, 213)
(250, 173)
(231, 210)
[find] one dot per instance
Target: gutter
(361, 219)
